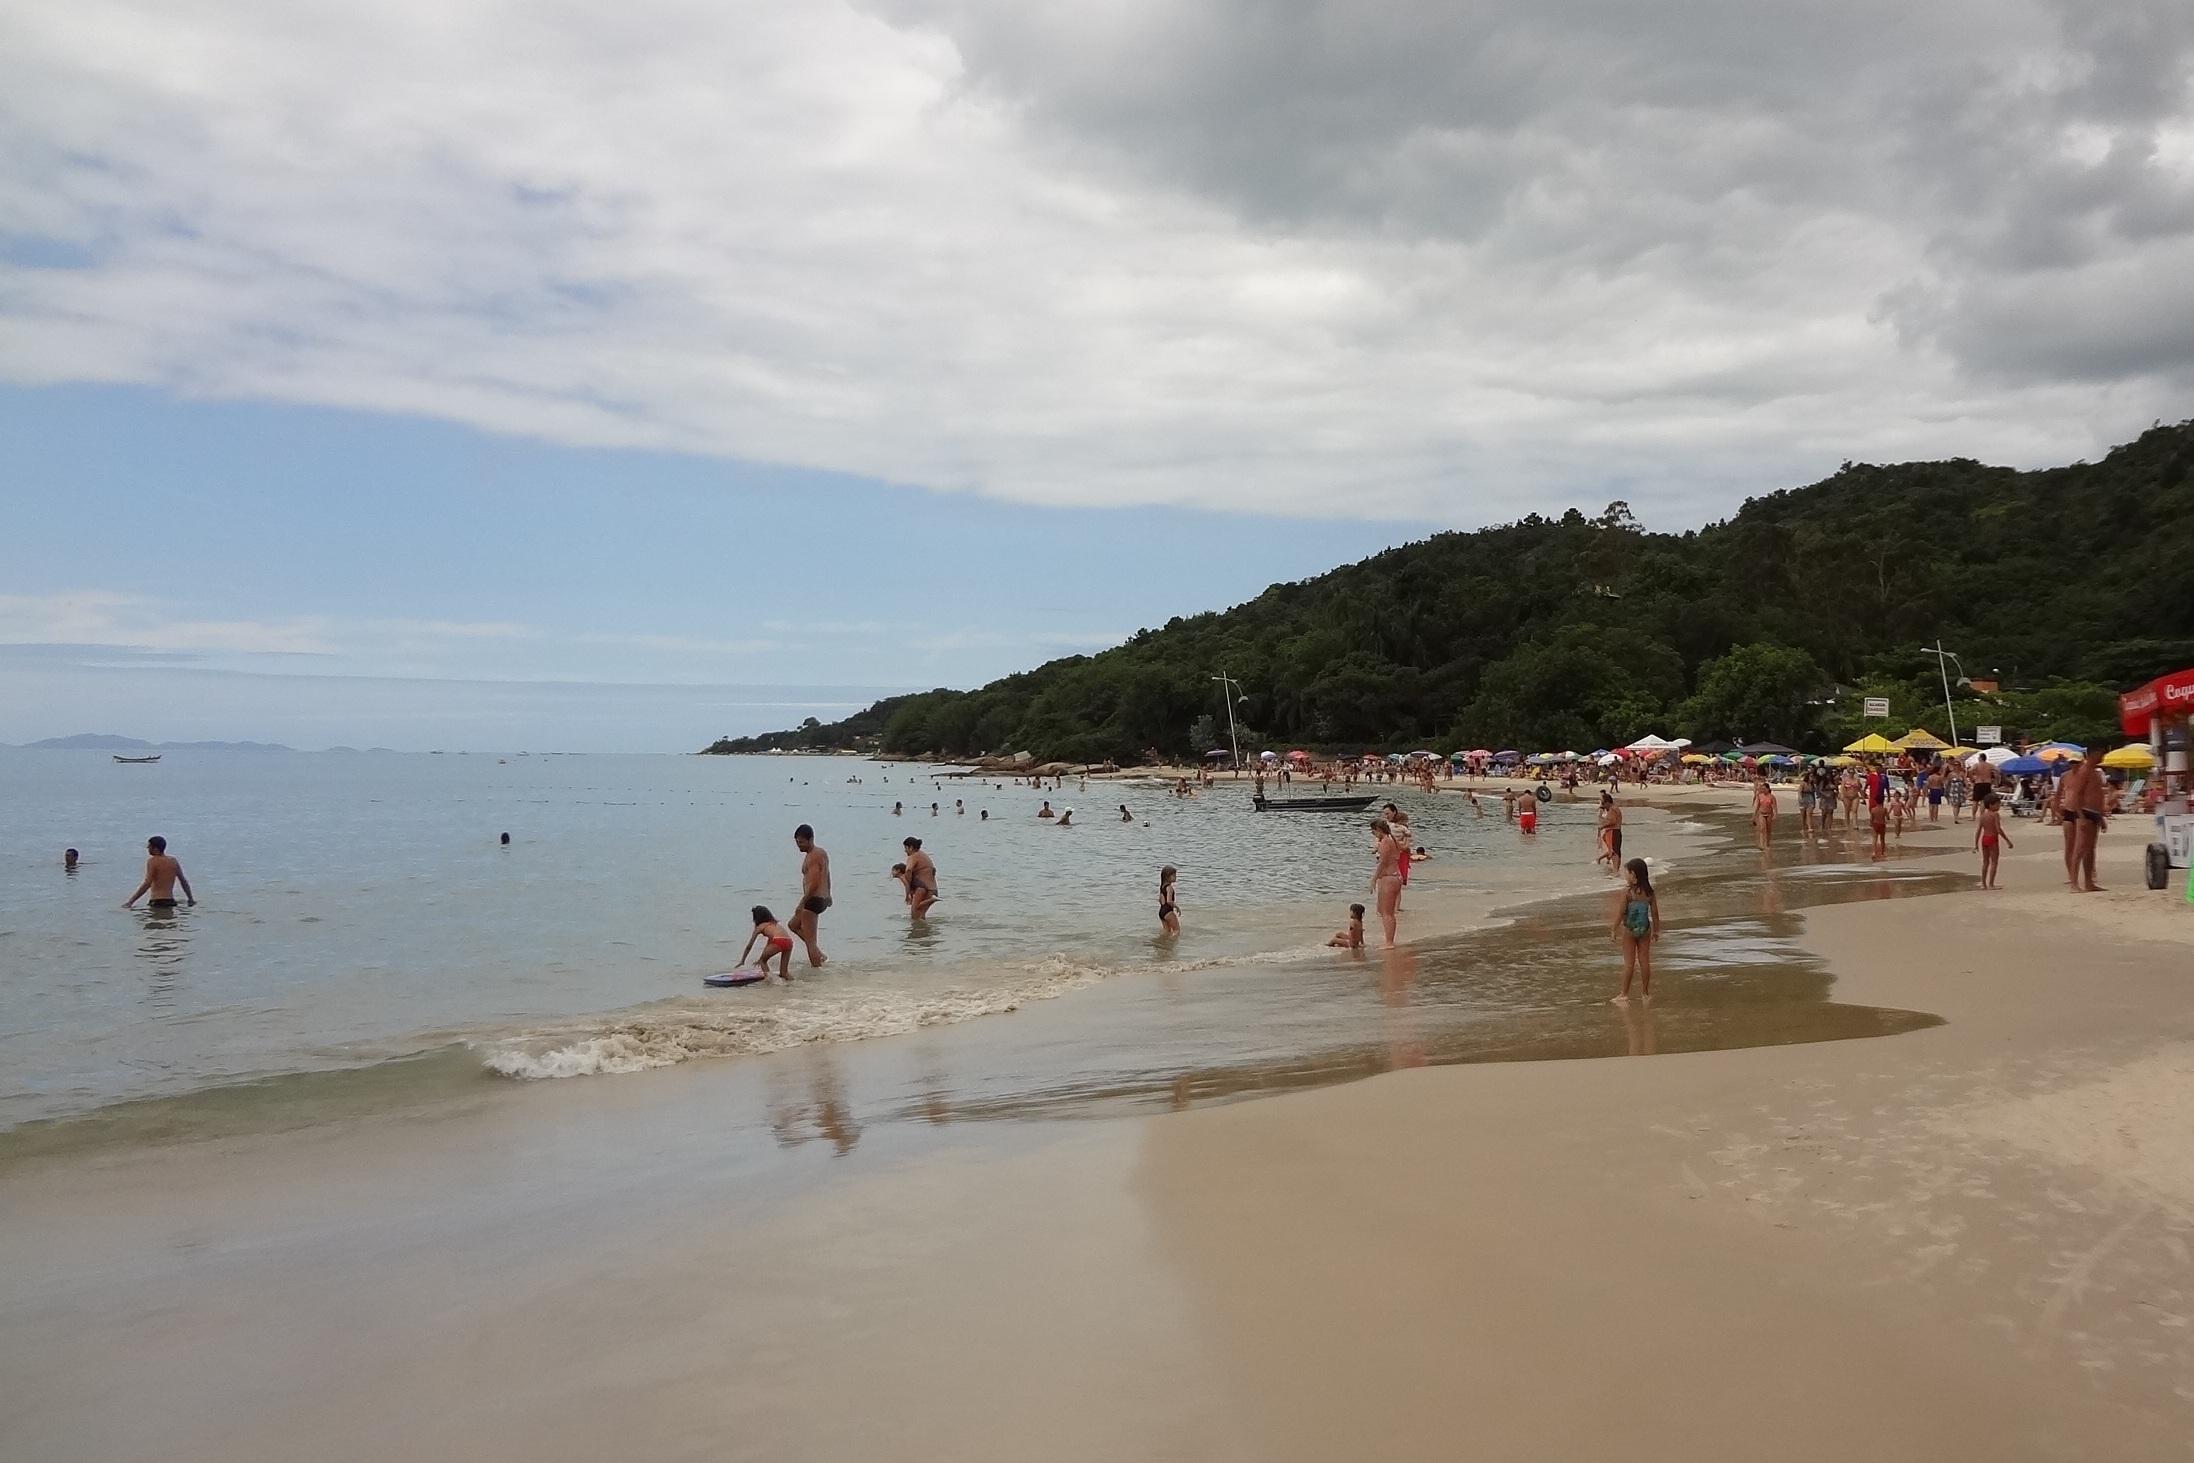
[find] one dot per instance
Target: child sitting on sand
(776, 941)
(1636, 925)
(1351, 938)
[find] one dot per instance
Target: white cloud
(1420, 259)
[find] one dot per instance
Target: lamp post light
(1943, 661)
(1234, 739)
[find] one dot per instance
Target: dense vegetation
(2068, 584)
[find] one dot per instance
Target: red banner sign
(2171, 695)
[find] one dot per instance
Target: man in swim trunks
(162, 874)
(921, 880)
(814, 892)
(2081, 801)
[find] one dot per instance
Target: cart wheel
(2159, 866)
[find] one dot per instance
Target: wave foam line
(640, 1043)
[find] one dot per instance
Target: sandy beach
(1968, 1240)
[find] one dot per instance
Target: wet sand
(1967, 1240)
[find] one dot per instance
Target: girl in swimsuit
(776, 943)
(1637, 924)
(1169, 913)
(1988, 830)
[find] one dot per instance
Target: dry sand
(1970, 1241)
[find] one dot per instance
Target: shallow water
(357, 913)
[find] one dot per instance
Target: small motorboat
(120, 758)
(1310, 805)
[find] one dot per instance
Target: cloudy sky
(805, 344)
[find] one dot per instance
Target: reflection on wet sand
(1730, 975)
(806, 1101)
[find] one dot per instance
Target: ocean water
(356, 910)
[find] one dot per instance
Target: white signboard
(1988, 736)
(1877, 706)
(2178, 836)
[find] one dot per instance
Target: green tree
(1757, 693)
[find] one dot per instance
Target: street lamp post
(1230, 686)
(1943, 659)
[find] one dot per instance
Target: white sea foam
(666, 1034)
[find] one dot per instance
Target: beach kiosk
(2161, 712)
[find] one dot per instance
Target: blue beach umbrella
(2025, 766)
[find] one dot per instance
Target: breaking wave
(767, 1020)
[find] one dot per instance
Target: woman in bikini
(1763, 809)
(1169, 913)
(1386, 876)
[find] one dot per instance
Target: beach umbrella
(2026, 766)
(1607, 759)
(1697, 759)
(1919, 739)
(2133, 755)
(1873, 743)
(1841, 761)
(2058, 751)
(1508, 754)
(1994, 756)
(1777, 759)
(1650, 743)
(1959, 753)
(1217, 752)
(1298, 755)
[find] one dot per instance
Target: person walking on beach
(2082, 801)
(1636, 926)
(1386, 876)
(1763, 810)
(1169, 912)
(1877, 811)
(1611, 831)
(814, 892)
(1988, 830)
(162, 874)
(921, 880)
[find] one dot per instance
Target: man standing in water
(921, 880)
(814, 892)
(162, 874)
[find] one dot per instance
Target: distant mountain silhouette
(107, 742)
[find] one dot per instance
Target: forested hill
(1580, 632)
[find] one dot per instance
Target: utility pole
(1229, 686)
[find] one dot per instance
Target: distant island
(104, 742)
(2054, 589)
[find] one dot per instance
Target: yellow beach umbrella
(2134, 756)
(2055, 754)
(1874, 743)
(1961, 753)
(1696, 758)
(1840, 761)
(1919, 739)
